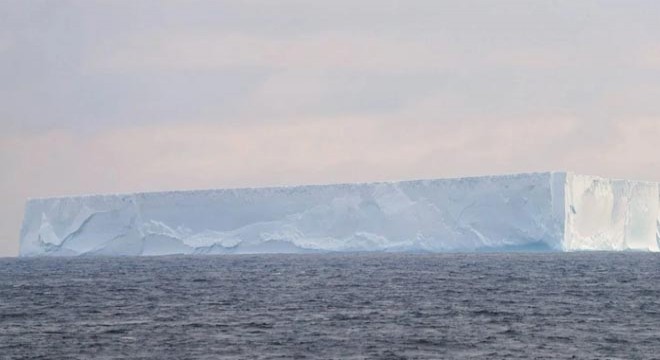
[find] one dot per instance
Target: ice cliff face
(605, 214)
(544, 211)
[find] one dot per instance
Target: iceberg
(553, 211)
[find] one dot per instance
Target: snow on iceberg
(542, 211)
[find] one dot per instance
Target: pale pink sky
(121, 96)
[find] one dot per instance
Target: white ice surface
(607, 214)
(542, 211)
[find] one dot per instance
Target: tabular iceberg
(555, 211)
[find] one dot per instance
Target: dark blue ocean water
(353, 306)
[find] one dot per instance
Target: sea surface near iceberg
(381, 306)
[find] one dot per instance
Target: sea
(333, 306)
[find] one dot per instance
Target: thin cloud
(207, 51)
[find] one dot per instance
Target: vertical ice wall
(657, 223)
(542, 211)
(608, 214)
(524, 211)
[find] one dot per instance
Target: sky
(124, 96)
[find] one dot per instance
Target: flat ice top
(294, 188)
